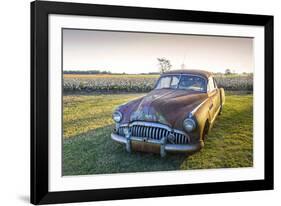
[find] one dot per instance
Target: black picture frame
(39, 102)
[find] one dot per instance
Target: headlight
(117, 116)
(189, 124)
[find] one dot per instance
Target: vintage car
(174, 117)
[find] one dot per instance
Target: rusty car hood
(164, 106)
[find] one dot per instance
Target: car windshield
(186, 82)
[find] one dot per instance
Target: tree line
(86, 72)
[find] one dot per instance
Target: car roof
(203, 73)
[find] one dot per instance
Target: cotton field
(141, 83)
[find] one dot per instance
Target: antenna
(183, 65)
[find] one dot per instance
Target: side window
(211, 85)
(215, 83)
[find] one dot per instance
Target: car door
(214, 95)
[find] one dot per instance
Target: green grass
(88, 148)
(83, 113)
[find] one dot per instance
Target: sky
(136, 52)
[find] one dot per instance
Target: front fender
(202, 115)
(222, 96)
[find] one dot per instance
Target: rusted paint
(171, 106)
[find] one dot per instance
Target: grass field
(88, 148)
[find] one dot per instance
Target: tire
(222, 99)
(220, 112)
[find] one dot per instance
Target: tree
(164, 64)
(227, 71)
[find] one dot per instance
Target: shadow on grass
(95, 152)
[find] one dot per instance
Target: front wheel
(220, 110)
(222, 99)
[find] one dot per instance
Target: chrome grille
(154, 133)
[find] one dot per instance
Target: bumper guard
(164, 147)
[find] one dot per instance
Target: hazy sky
(138, 52)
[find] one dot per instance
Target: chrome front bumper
(177, 148)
